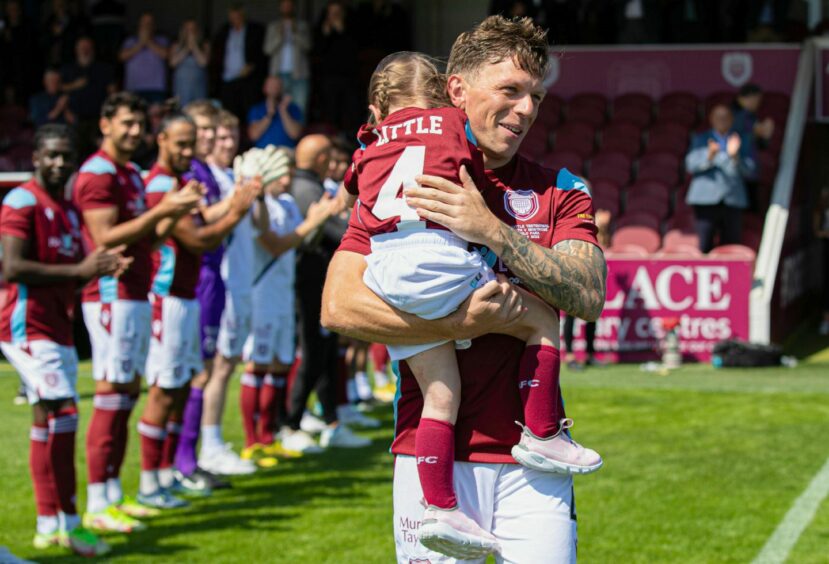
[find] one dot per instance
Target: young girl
(424, 269)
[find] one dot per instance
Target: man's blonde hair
(498, 39)
(226, 119)
(407, 78)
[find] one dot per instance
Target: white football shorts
(49, 371)
(531, 513)
(273, 337)
(234, 326)
(120, 336)
(175, 350)
(428, 273)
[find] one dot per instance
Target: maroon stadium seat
(606, 197)
(680, 250)
(683, 100)
(681, 116)
(563, 159)
(586, 114)
(577, 137)
(610, 165)
(648, 202)
(663, 139)
(733, 251)
(751, 238)
(677, 237)
(645, 237)
(632, 114)
(641, 218)
(776, 106)
(7, 164)
(593, 99)
(767, 167)
(682, 220)
(13, 114)
(549, 113)
(633, 100)
(627, 250)
(622, 137)
(663, 167)
(536, 143)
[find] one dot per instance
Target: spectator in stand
(276, 120)
(145, 61)
(19, 53)
(107, 18)
(336, 48)
(287, 43)
(51, 105)
(746, 122)
(603, 218)
(822, 231)
(720, 162)
(238, 62)
(341, 152)
(63, 26)
(189, 58)
(87, 82)
(385, 27)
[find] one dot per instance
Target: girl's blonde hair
(406, 78)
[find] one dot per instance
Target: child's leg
(436, 372)
(538, 381)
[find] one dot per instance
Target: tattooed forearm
(570, 276)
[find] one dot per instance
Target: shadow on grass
(266, 501)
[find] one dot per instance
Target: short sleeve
(93, 191)
(350, 180)
(157, 187)
(356, 238)
(17, 213)
(573, 210)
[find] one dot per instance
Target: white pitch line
(803, 510)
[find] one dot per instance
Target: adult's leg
(312, 344)
(705, 218)
(731, 229)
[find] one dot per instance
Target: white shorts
(427, 273)
(120, 336)
(234, 326)
(49, 371)
(531, 513)
(273, 336)
(175, 350)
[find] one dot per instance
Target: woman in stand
(189, 63)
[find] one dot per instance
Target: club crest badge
(521, 204)
(737, 68)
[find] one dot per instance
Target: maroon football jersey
(175, 269)
(52, 229)
(103, 183)
(547, 207)
(409, 142)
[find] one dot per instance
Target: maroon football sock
(46, 496)
(63, 426)
(435, 455)
(538, 386)
(249, 401)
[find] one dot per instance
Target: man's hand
(496, 307)
(178, 202)
(713, 149)
(319, 212)
(733, 145)
(243, 197)
(104, 262)
(284, 102)
(461, 209)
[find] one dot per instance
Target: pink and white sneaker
(558, 454)
(453, 533)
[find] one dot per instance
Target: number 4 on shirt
(390, 202)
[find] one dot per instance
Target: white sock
(68, 522)
(115, 493)
(363, 386)
(381, 378)
(148, 482)
(211, 437)
(165, 477)
(96, 497)
(351, 391)
(47, 524)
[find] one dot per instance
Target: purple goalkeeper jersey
(211, 260)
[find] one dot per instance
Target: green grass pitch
(700, 466)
